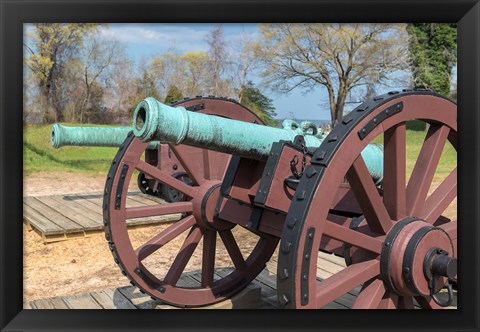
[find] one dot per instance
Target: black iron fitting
(437, 264)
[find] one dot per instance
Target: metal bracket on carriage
(293, 180)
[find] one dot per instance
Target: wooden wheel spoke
(425, 167)
(183, 153)
(158, 210)
(208, 258)
(355, 238)
(345, 280)
(405, 302)
(370, 295)
(389, 301)
(184, 255)
(233, 250)
(394, 171)
(440, 199)
(164, 237)
(165, 178)
(368, 197)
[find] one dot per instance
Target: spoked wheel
(146, 263)
(171, 195)
(404, 247)
(145, 185)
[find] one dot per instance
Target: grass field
(40, 156)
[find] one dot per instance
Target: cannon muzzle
(153, 120)
(61, 135)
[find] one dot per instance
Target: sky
(147, 40)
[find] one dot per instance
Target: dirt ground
(86, 264)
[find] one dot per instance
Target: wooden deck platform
(259, 294)
(61, 217)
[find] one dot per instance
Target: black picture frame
(15, 13)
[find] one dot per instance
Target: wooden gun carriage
(343, 194)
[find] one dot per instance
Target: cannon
(156, 154)
(288, 195)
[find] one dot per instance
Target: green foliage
(53, 46)
(146, 87)
(173, 94)
(434, 53)
(260, 104)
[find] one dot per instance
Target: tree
(121, 91)
(246, 62)
(218, 59)
(146, 86)
(52, 46)
(168, 69)
(342, 58)
(99, 55)
(196, 72)
(173, 94)
(434, 53)
(260, 104)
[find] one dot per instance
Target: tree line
(74, 74)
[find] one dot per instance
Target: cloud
(160, 37)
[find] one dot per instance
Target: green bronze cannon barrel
(153, 120)
(61, 135)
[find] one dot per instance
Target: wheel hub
(417, 258)
(205, 207)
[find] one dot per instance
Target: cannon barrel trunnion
(292, 189)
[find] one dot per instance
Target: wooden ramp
(61, 217)
(259, 294)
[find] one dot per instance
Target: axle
(61, 135)
(153, 120)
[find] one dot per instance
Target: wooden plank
(57, 218)
(81, 301)
(73, 211)
(95, 208)
(147, 200)
(58, 303)
(43, 304)
(329, 266)
(332, 258)
(40, 222)
(97, 200)
(112, 299)
(269, 302)
(248, 298)
(137, 298)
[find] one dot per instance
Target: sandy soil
(86, 264)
